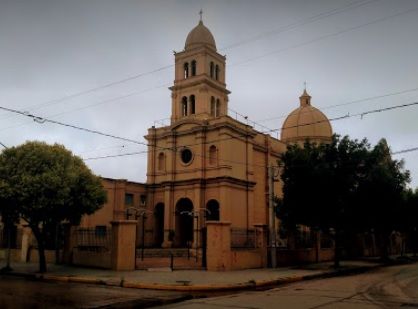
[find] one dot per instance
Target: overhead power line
(349, 103)
(91, 90)
(404, 151)
(118, 155)
(303, 22)
(44, 120)
(291, 26)
(247, 119)
(277, 51)
(361, 114)
(90, 105)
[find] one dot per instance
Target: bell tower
(199, 89)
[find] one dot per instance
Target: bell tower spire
(199, 88)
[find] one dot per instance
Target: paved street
(17, 293)
(390, 287)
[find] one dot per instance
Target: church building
(205, 166)
(208, 164)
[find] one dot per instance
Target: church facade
(205, 166)
(206, 163)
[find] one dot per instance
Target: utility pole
(272, 218)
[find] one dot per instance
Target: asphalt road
(17, 293)
(390, 287)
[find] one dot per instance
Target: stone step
(179, 263)
(166, 253)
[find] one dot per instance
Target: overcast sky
(346, 50)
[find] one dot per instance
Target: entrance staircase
(169, 259)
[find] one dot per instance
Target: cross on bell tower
(199, 88)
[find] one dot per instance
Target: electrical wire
(404, 151)
(91, 90)
(118, 155)
(277, 51)
(88, 106)
(44, 120)
(292, 26)
(344, 8)
(349, 103)
(361, 114)
(248, 120)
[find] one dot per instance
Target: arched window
(184, 106)
(217, 72)
(218, 108)
(161, 161)
(213, 155)
(193, 67)
(213, 211)
(212, 69)
(192, 104)
(212, 107)
(186, 70)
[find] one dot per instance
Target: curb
(189, 288)
(250, 285)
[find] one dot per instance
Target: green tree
(380, 195)
(48, 185)
(319, 185)
(346, 186)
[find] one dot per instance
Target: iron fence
(93, 239)
(15, 237)
(304, 239)
(243, 238)
(327, 241)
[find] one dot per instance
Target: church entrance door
(184, 223)
(159, 224)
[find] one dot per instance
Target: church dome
(306, 122)
(200, 35)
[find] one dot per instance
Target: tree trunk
(336, 250)
(384, 243)
(42, 260)
(41, 248)
(9, 246)
(57, 246)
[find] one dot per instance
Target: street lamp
(139, 213)
(190, 213)
(273, 174)
(195, 215)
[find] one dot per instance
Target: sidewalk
(190, 280)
